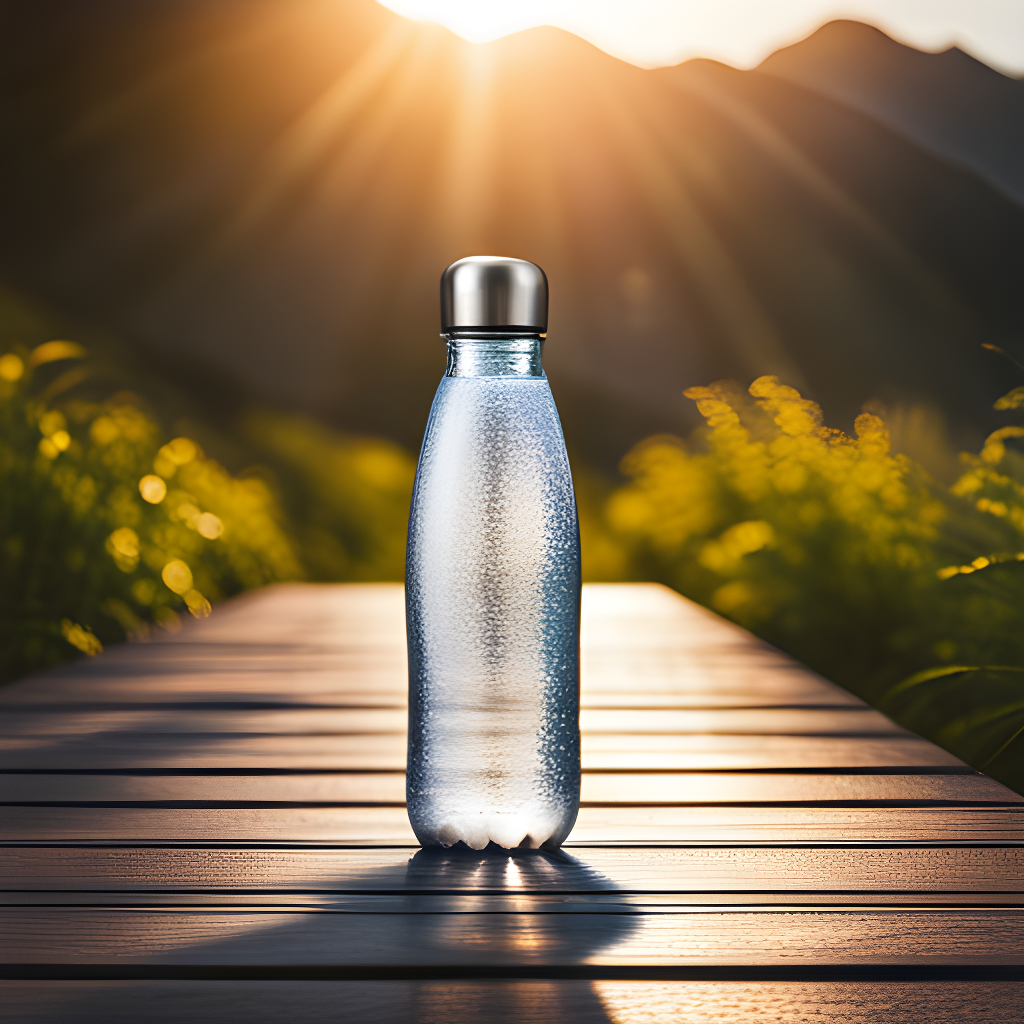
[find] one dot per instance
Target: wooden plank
(762, 721)
(601, 751)
(196, 720)
(320, 616)
(745, 1002)
(733, 693)
(514, 1002)
(672, 866)
(115, 751)
(205, 690)
(914, 870)
(389, 788)
(694, 936)
(636, 825)
(732, 751)
(611, 902)
(329, 721)
(750, 671)
(689, 653)
(296, 673)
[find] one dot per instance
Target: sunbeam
(277, 184)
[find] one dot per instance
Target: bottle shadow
(524, 907)
(538, 913)
(459, 934)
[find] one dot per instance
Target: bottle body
(492, 592)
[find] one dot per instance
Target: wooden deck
(211, 827)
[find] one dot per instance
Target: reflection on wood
(231, 799)
(111, 751)
(512, 1002)
(921, 870)
(355, 789)
(390, 825)
(623, 936)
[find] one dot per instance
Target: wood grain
(389, 788)
(387, 752)
(639, 825)
(620, 937)
(518, 903)
(335, 721)
(511, 1002)
(923, 871)
(230, 799)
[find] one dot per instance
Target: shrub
(107, 530)
(839, 552)
(346, 497)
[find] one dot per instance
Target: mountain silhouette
(275, 187)
(949, 103)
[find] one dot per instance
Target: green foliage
(838, 551)
(831, 547)
(106, 531)
(347, 497)
(111, 526)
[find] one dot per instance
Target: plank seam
(570, 972)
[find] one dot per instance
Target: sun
(476, 20)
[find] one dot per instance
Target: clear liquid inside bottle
(492, 591)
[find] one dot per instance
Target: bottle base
(479, 830)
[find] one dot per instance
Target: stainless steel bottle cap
(493, 293)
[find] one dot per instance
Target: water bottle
(493, 579)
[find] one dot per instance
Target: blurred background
(222, 223)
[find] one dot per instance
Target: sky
(742, 33)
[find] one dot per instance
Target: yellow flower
(178, 576)
(178, 452)
(48, 448)
(209, 526)
(52, 421)
(197, 604)
(742, 539)
(123, 546)
(152, 489)
(104, 430)
(80, 637)
(11, 368)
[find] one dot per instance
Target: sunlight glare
(652, 33)
(476, 20)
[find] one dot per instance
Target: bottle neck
(494, 357)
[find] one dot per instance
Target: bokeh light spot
(177, 575)
(188, 512)
(152, 489)
(209, 526)
(180, 451)
(80, 637)
(104, 430)
(11, 368)
(51, 422)
(197, 604)
(123, 546)
(48, 448)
